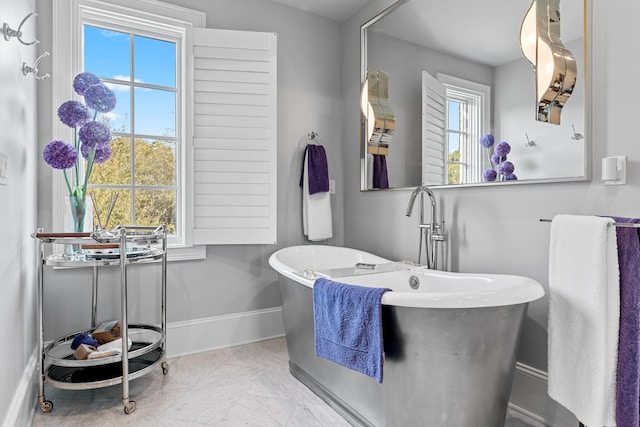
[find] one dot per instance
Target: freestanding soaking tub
(450, 345)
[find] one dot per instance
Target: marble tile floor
(248, 385)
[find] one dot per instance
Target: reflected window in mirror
(468, 117)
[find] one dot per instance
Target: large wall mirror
(453, 73)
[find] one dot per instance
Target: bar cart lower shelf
(122, 246)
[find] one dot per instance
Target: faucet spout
(412, 200)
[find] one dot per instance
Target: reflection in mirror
(380, 124)
(554, 66)
(454, 81)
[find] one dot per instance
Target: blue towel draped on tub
(628, 374)
(348, 325)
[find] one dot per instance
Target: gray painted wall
(17, 212)
(233, 279)
(495, 228)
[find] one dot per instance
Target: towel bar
(616, 224)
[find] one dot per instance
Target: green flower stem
(76, 144)
(66, 179)
(92, 153)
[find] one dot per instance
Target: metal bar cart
(118, 247)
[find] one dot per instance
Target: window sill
(186, 253)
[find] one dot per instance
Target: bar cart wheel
(165, 368)
(130, 407)
(46, 406)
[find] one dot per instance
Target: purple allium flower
(94, 133)
(60, 155)
(102, 154)
(511, 177)
(502, 149)
(506, 168)
(487, 140)
(73, 113)
(83, 80)
(100, 98)
(489, 175)
(496, 160)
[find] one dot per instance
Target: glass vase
(78, 215)
(78, 218)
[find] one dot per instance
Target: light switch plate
(332, 186)
(4, 162)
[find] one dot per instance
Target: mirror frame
(587, 110)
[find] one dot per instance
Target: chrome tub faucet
(431, 233)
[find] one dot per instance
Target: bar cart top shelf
(102, 247)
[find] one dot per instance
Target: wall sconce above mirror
(452, 79)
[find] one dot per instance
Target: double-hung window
(142, 184)
(194, 128)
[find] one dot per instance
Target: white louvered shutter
(235, 137)
(434, 167)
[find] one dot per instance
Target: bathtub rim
(523, 291)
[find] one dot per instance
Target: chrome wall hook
(10, 32)
(34, 70)
(530, 142)
(576, 136)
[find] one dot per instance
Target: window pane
(154, 61)
(117, 169)
(454, 142)
(155, 162)
(454, 174)
(454, 115)
(121, 212)
(156, 207)
(119, 119)
(106, 53)
(155, 112)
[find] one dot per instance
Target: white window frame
(477, 97)
(152, 16)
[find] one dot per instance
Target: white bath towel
(316, 210)
(584, 311)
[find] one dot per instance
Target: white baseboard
(529, 397)
(212, 333)
(22, 405)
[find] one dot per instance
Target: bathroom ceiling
(338, 10)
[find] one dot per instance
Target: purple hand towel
(628, 375)
(317, 168)
(380, 175)
(348, 325)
